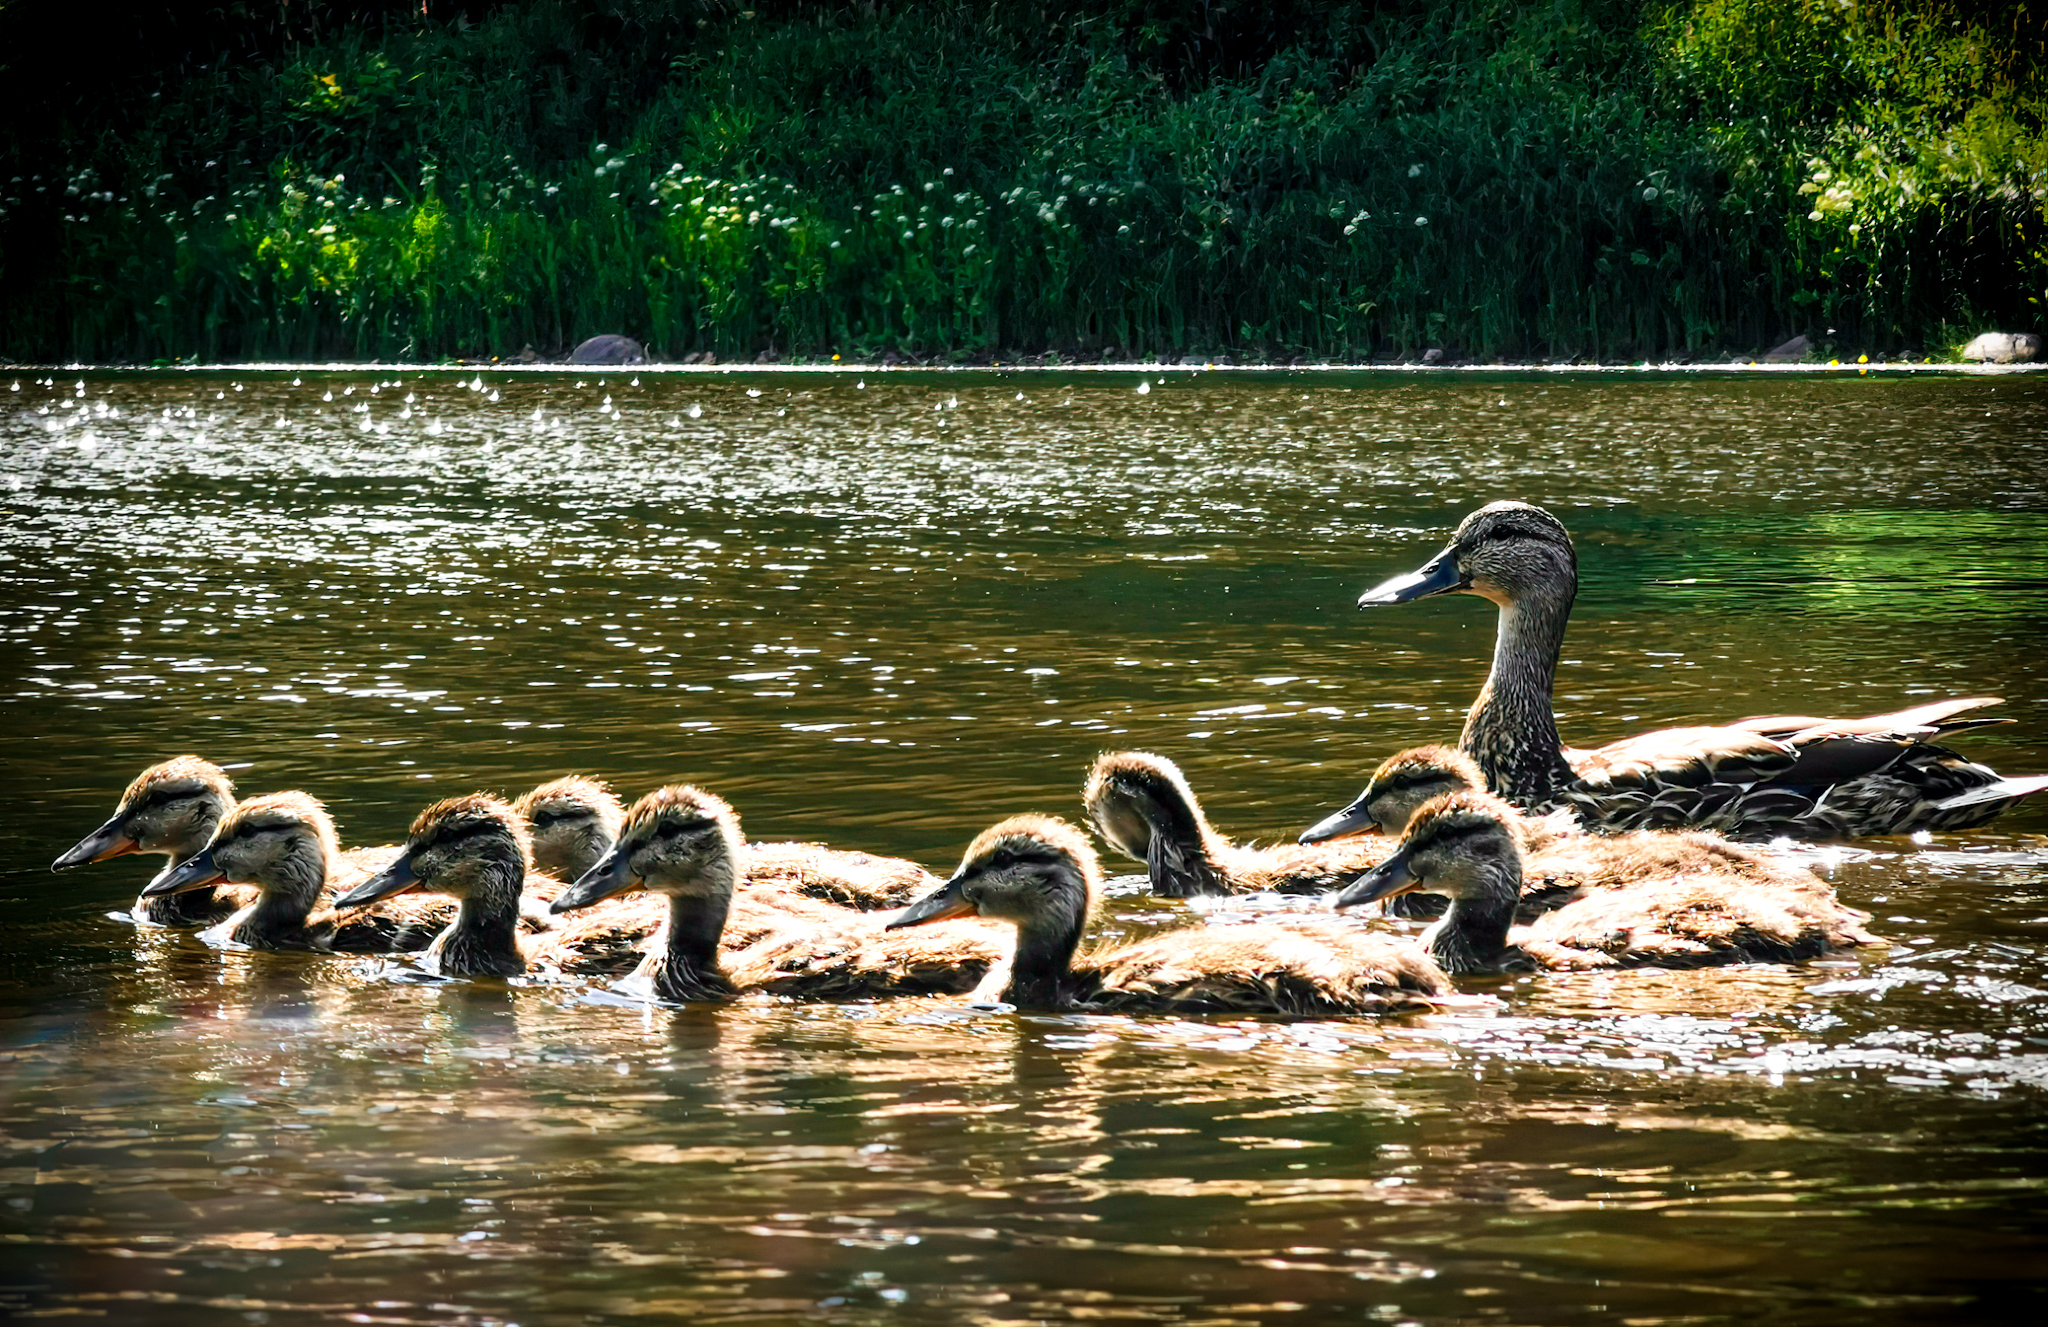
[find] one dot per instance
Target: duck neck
(1043, 963)
(682, 964)
(1182, 854)
(1512, 730)
(1473, 935)
(483, 940)
(289, 892)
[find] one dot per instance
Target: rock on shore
(2003, 348)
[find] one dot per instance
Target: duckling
(1794, 776)
(1464, 844)
(685, 844)
(1039, 874)
(1560, 860)
(171, 808)
(478, 850)
(285, 845)
(574, 819)
(1142, 805)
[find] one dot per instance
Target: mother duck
(1790, 775)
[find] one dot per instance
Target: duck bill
(188, 875)
(1353, 819)
(109, 840)
(612, 876)
(1440, 575)
(394, 879)
(946, 901)
(1389, 878)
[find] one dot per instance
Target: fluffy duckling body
(1040, 875)
(684, 844)
(285, 846)
(1560, 861)
(1464, 845)
(1142, 806)
(576, 820)
(843, 876)
(1796, 776)
(171, 808)
(477, 850)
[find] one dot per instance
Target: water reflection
(886, 611)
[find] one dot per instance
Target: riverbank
(1597, 180)
(1142, 371)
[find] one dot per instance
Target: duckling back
(1271, 968)
(859, 960)
(1696, 918)
(850, 879)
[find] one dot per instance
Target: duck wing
(1938, 715)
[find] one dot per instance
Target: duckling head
(678, 840)
(1505, 552)
(474, 846)
(1461, 844)
(575, 820)
(171, 808)
(1134, 797)
(1036, 872)
(1401, 784)
(279, 842)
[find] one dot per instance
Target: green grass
(1580, 178)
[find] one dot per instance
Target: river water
(883, 610)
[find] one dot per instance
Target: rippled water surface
(885, 610)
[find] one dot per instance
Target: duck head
(1504, 552)
(1399, 787)
(171, 808)
(474, 846)
(1028, 870)
(278, 841)
(1142, 805)
(575, 822)
(678, 840)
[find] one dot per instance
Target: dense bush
(1602, 178)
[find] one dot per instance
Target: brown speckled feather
(1695, 919)
(1262, 968)
(858, 960)
(851, 879)
(608, 938)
